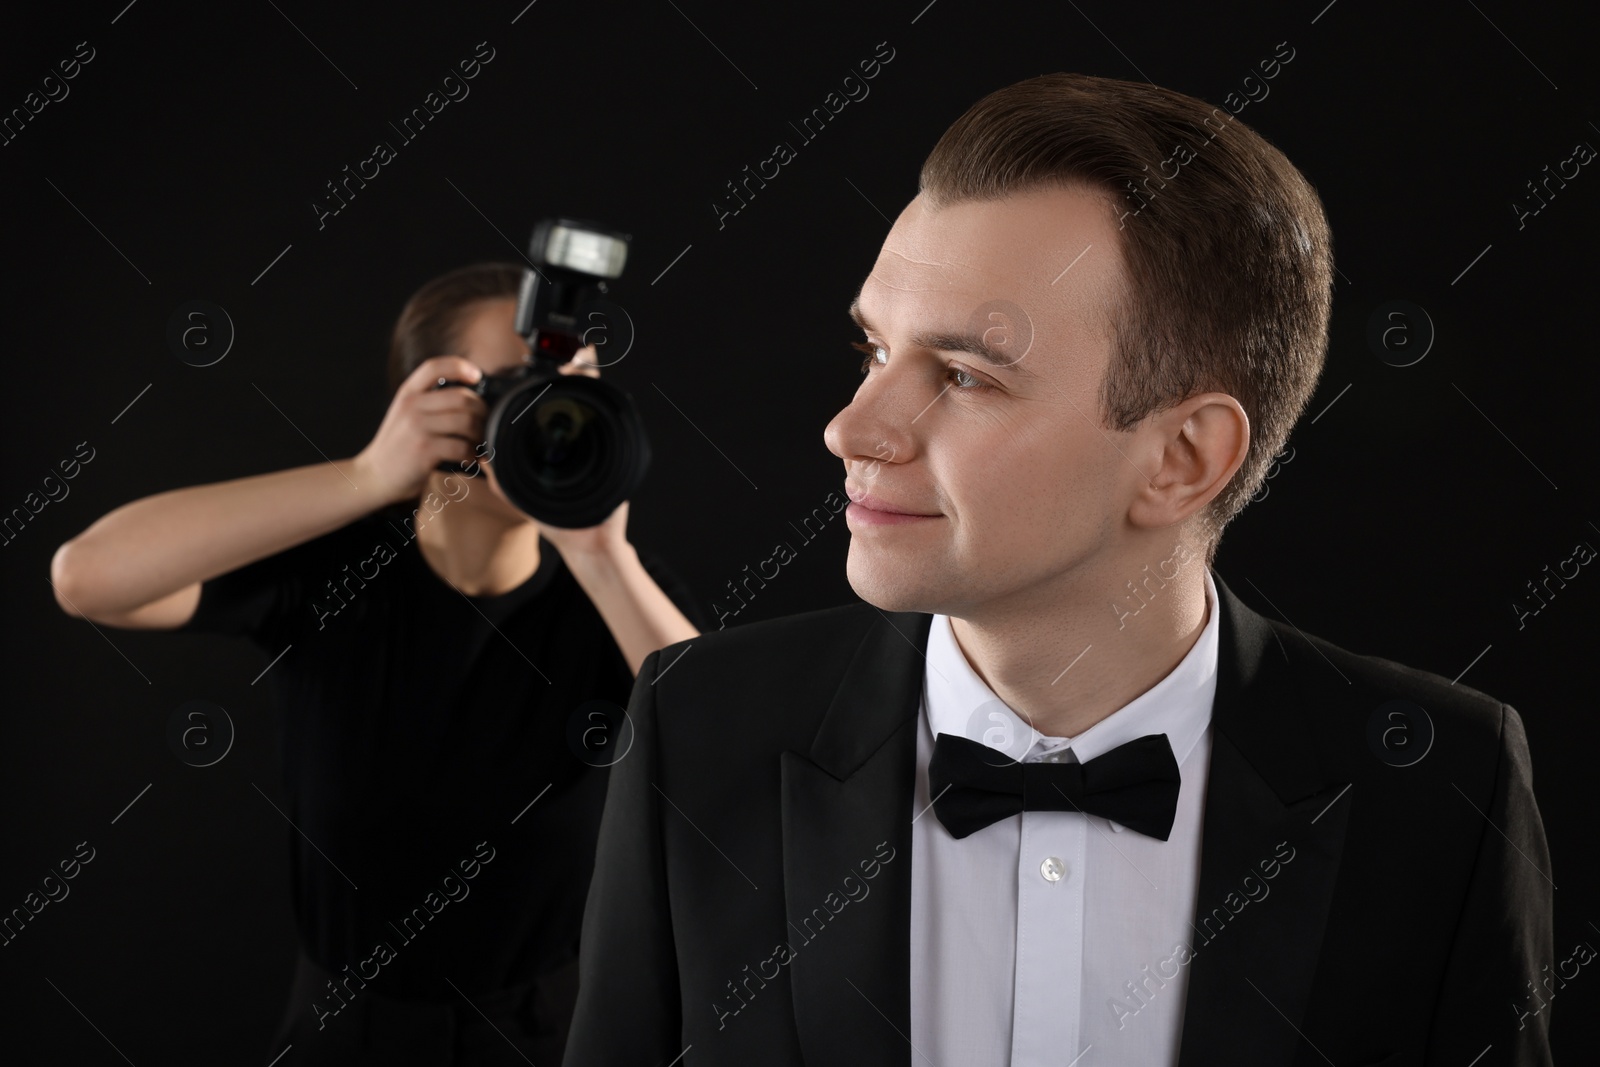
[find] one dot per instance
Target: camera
(566, 448)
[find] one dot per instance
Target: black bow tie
(1135, 784)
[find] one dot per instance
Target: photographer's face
(488, 336)
(489, 339)
(1018, 482)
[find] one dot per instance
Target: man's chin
(888, 591)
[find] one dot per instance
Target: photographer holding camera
(441, 671)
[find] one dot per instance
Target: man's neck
(479, 554)
(1068, 665)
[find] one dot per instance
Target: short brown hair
(429, 325)
(1228, 257)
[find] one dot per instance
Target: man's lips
(887, 507)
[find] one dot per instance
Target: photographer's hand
(423, 427)
(581, 546)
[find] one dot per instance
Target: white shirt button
(1053, 869)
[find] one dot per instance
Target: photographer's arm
(141, 565)
(640, 616)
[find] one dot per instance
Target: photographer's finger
(429, 371)
(585, 361)
(457, 449)
(437, 401)
(451, 424)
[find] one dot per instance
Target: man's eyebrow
(971, 344)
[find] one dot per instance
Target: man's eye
(871, 350)
(965, 381)
(960, 378)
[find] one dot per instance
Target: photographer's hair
(430, 323)
(1227, 254)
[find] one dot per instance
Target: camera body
(567, 449)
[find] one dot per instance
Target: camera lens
(568, 449)
(568, 446)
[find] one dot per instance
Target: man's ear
(1194, 449)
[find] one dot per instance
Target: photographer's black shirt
(431, 753)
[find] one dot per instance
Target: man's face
(1016, 481)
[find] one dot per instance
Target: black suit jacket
(751, 898)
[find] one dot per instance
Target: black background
(186, 159)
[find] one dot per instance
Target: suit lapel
(847, 814)
(1250, 978)
(848, 800)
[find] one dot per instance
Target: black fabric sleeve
(1504, 939)
(628, 961)
(674, 586)
(270, 600)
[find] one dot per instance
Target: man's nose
(870, 427)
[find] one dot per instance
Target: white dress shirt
(1048, 938)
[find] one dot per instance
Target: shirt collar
(1179, 705)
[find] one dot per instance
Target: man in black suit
(1054, 794)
